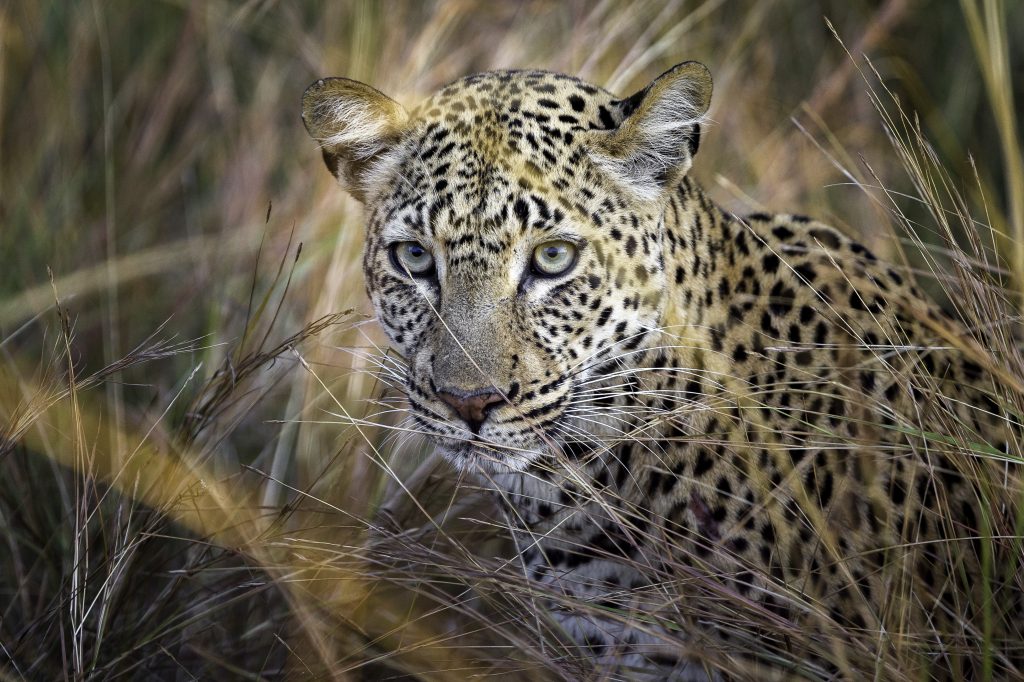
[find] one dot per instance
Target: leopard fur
(704, 409)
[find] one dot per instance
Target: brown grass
(202, 469)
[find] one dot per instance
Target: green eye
(412, 257)
(554, 258)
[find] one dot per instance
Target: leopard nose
(472, 406)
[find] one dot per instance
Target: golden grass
(197, 479)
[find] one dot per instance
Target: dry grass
(200, 474)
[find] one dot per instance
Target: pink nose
(472, 407)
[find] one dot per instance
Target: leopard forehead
(523, 100)
(501, 144)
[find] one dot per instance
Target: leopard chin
(481, 457)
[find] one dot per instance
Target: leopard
(699, 425)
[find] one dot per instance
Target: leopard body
(704, 410)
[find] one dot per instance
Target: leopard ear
(356, 126)
(658, 130)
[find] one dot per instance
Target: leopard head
(514, 250)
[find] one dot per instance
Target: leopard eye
(412, 257)
(554, 258)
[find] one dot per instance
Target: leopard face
(514, 251)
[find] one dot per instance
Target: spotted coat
(703, 410)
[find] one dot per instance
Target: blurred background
(156, 181)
